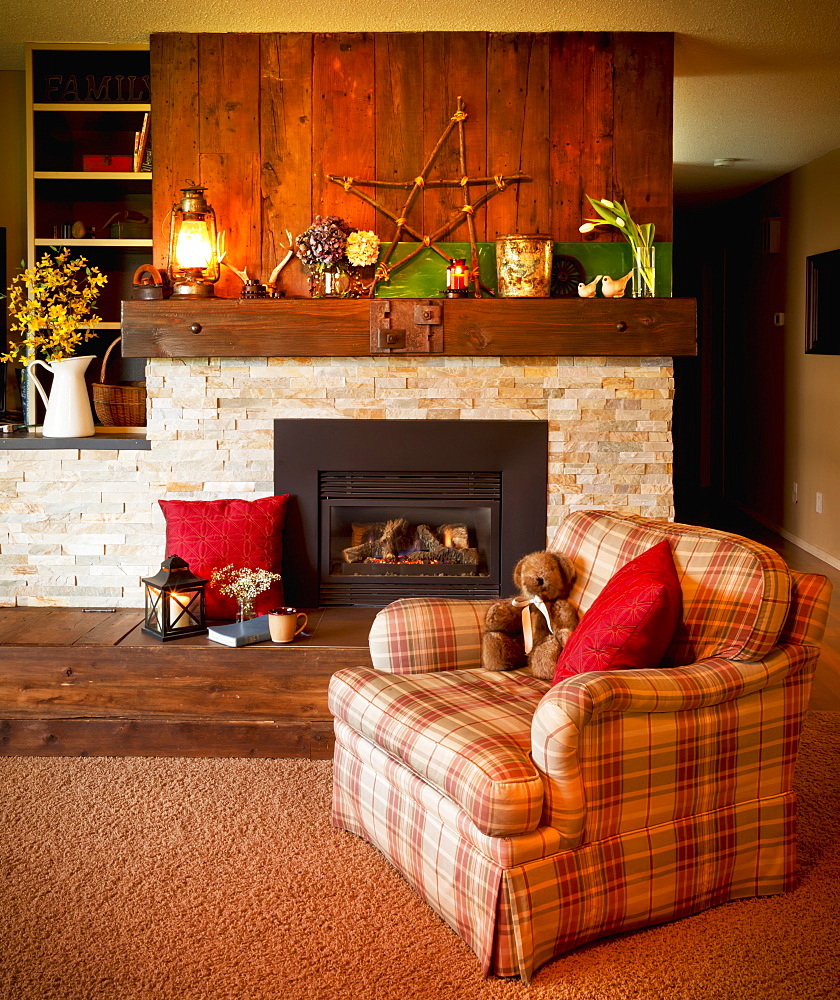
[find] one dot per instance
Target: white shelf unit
(63, 126)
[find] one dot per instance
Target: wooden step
(76, 682)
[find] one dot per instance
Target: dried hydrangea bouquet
(331, 249)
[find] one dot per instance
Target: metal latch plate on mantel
(406, 326)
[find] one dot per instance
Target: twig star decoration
(415, 187)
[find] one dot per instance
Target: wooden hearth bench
(89, 682)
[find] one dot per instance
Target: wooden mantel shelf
(342, 328)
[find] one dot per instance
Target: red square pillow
(631, 622)
(246, 534)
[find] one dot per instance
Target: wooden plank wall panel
(454, 65)
(237, 175)
(228, 80)
(399, 123)
(518, 131)
(581, 128)
(174, 120)
(343, 130)
(644, 96)
(583, 112)
(229, 145)
(286, 148)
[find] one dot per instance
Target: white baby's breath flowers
(362, 248)
(243, 585)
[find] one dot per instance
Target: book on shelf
(141, 140)
(241, 633)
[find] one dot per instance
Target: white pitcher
(68, 406)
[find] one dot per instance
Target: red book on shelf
(106, 162)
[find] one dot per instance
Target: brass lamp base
(193, 289)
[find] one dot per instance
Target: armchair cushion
(466, 732)
(631, 622)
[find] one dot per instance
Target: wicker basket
(122, 404)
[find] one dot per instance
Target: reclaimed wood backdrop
(261, 119)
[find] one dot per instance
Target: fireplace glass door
(389, 535)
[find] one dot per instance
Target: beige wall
(781, 406)
(812, 428)
(12, 168)
(12, 180)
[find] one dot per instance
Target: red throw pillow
(246, 534)
(631, 622)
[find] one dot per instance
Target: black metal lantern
(193, 251)
(174, 602)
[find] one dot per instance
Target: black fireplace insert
(382, 509)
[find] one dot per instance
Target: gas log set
(397, 547)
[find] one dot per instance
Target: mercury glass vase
(644, 272)
(331, 281)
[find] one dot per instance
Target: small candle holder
(457, 278)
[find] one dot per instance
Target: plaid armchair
(535, 818)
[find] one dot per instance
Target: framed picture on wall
(822, 304)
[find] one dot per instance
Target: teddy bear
(531, 629)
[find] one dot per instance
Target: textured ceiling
(756, 83)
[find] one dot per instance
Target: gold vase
(523, 265)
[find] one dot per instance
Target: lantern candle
(177, 605)
(193, 248)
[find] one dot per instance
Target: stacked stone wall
(80, 527)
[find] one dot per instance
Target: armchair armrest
(675, 689)
(425, 634)
(657, 742)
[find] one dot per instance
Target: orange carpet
(145, 879)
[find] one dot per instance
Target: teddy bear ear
(517, 572)
(567, 567)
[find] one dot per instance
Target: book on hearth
(241, 633)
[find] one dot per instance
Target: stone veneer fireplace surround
(80, 527)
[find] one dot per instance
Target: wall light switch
(819, 503)
(794, 495)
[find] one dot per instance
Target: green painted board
(425, 277)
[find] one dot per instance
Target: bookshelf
(87, 187)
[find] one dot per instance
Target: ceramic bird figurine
(588, 291)
(613, 288)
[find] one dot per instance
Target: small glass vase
(331, 281)
(644, 272)
(245, 610)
